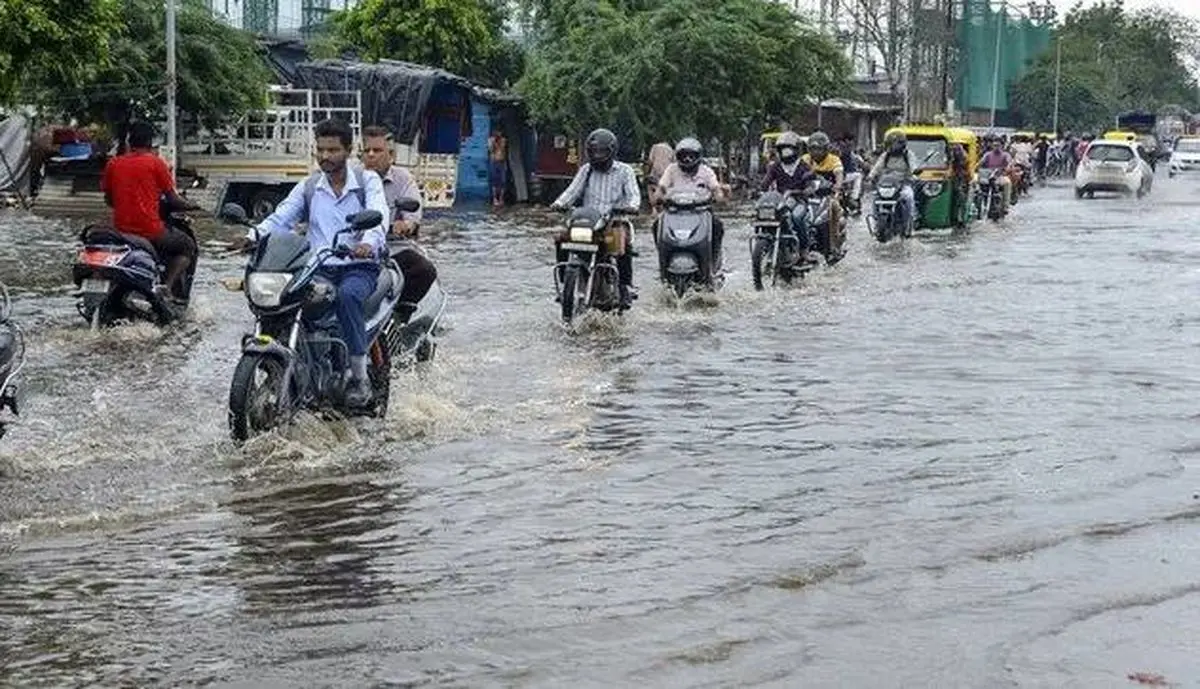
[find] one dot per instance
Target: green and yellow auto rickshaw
(930, 147)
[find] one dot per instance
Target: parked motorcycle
(686, 257)
(775, 249)
(296, 358)
(12, 359)
(118, 275)
(588, 279)
(991, 194)
(888, 217)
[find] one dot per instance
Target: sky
(1188, 7)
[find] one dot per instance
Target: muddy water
(965, 461)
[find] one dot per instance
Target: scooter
(12, 359)
(118, 276)
(685, 243)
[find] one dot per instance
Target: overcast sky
(1188, 7)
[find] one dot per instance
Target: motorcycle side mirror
(364, 220)
(233, 213)
(408, 205)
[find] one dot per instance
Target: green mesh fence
(1021, 41)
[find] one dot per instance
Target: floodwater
(960, 461)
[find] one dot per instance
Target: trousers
(355, 282)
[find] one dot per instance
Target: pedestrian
(498, 165)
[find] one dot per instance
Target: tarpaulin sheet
(14, 164)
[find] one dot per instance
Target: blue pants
(355, 283)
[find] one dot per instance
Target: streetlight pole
(1057, 82)
(996, 65)
(171, 84)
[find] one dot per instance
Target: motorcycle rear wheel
(249, 413)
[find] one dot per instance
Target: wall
(473, 182)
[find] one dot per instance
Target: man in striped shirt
(605, 184)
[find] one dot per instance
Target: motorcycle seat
(99, 234)
(385, 286)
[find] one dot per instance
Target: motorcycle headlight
(581, 234)
(265, 290)
(932, 189)
(765, 213)
(887, 192)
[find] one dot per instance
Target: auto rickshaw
(970, 143)
(1118, 135)
(930, 146)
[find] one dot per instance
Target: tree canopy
(53, 38)
(461, 36)
(1112, 61)
(220, 71)
(658, 69)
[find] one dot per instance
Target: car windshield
(1116, 154)
(928, 152)
(1188, 146)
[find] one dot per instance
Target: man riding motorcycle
(897, 158)
(687, 173)
(998, 159)
(789, 175)
(1022, 155)
(398, 184)
(605, 184)
(134, 185)
(822, 162)
(324, 201)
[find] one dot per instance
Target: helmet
(687, 154)
(818, 146)
(601, 148)
(788, 147)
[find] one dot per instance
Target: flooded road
(963, 461)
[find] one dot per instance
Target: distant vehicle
(1185, 157)
(1113, 166)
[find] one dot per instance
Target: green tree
(1112, 61)
(54, 38)
(669, 68)
(220, 71)
(461, 36)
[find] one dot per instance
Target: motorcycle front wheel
(760, 256)
(255, 396)
(569, 296)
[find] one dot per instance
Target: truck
(256, 160)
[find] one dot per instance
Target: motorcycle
(774, 248)
(588, 279)
(296, 358)
(991, 194)
(819, 199)
(888, 216)
(850, 203)
(686, 257)
(118, 276)
(12, 358)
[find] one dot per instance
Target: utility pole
(996, 65)
(946, 41)
(171, 85)
(1057, 81)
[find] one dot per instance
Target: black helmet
(601, 147)
(787, 146)
(818, 146)
(687, 154)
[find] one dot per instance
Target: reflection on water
(966, 460)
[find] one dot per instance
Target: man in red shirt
(134, 184)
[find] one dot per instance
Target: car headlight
(932, 189)
(581, 234)
(266, 289)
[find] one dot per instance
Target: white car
(1113, 166)
(1185, 156)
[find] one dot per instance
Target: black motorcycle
(775, 249)
(118, 276)
(991, 194)
(889, 218)
(296, 358)
(589, 279)
(12, 359)
(686, 259)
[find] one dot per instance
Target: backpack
(310, 189)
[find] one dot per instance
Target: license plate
(576, 246)
(95, 286)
